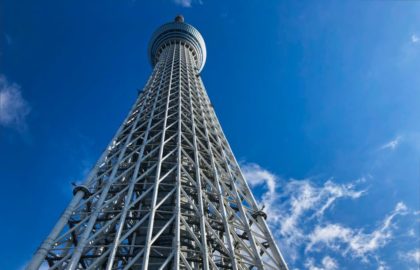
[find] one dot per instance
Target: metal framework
(167, 193)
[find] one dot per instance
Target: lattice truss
(167, 193)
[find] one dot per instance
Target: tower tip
(179, 18)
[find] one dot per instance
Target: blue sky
(319, 100)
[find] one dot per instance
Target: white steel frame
(167, 193)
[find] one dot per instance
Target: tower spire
(167, 193)
(179, 18)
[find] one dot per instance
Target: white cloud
(256, 176)
(327, 263)
(393, 144)
(382, 265)
(295, 202)
(415, 38)
(412, 256)
(184, 3)
(411, 233)
(297, 217)
(409, 53)
(308, 200)
(188, 3)
(13, 108)
(355, 241)
(304, 196)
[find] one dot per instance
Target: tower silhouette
(167, 193)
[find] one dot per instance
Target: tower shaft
(167, 192)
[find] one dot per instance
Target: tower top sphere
(178, 31)
(179, 18)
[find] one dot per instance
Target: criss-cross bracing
(167, 193)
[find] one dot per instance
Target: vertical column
(215, 173)
(133, 179)
(47, 244)
(204, 248)
(147, 246)
(243, 215)
(228, 154)
(177, 232)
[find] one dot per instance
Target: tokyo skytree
(167, 193)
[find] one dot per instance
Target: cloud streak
(13, 107)
(415, 38)
(355, 241)
(295, 202)
(412, 256)
(257, 176)
(298, 219)
(327, 263)
(183, 3)
(393, 144)
(187, 3)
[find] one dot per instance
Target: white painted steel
(168, 192)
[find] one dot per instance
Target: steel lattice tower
(167, 193)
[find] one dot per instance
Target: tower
(167, 193)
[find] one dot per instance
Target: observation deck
(178, 31)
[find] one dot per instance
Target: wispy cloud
(393, 144)
(257, 176)
(183, 3)
(305, 202)
(415, 38)
(355, 241)
(295, 201)
(327, 263)
(306, 199)
(412, 256)
(187, 3)
(13, 107)
(382, 265)
(298, 219)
